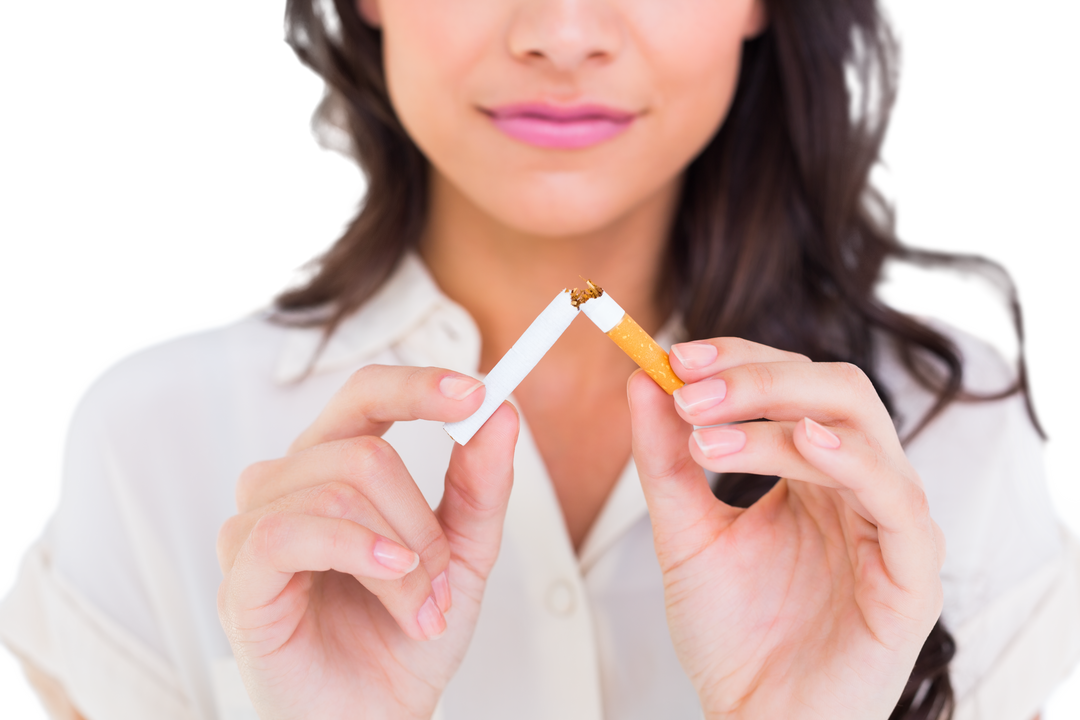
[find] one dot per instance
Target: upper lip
(559, 113)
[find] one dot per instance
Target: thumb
(476, 493)
(681, 504)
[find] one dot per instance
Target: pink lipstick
(566, 128)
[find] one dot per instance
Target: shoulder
(987, 363)
(981, 463)
(985, 372)
(244, 349)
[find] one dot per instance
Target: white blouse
(117, 600)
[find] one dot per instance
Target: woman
(706, 163)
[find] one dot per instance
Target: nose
(565, 34)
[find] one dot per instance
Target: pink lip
(567, 128)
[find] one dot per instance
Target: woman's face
(559, 117)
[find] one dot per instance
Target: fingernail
(431, 620)
(440, 587)
(391, 555)
(458, 387)
(700, 396)
(719, 441)
(695, 354)
(819, 436)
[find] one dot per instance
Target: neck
(504, 276)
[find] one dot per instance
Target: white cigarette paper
(604, 312)
(516, 364)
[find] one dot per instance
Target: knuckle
(420, 383)
(364, 451)
(732, 345)
(779, 439)
(364, 462)
(269, 534)
(251, 478)
(228, 538)
(334, 499)
(941, 544)
(432, 545)
(736, 350)
(762, 377)
(357, 389)
(416, 377)
(363, 376)
(853, 376)
(919, 503)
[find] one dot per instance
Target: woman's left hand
(815, 601)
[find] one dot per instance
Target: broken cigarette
(627, 334)
(518, 361)
(548, 326)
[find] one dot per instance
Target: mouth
(560, 127)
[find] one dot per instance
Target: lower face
(559, 117)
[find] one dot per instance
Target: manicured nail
(819, 436)
(391, 555)
(431, 620)
(695, 354)
(700, 396)
(719, 441)
(440, 587)
(458, 387)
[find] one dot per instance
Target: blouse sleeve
(1012, 573)
(79, 611)
(1035, 625)
(49, 625)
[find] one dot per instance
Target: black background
(165, 175)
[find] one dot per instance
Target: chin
(556, 215)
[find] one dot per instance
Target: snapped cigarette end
(517, 363)
(627, 334)
(649, 356)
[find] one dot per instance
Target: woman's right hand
(326, 609)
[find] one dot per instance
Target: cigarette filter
(627, 334)
(518, 361)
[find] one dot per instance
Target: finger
(477, 491)
(762, 448)
(700, 359)
(891, 493)
(373, 468)
(414, 600)
(331, 500)
(293, 542)
(281, 545)
(376, 396)
(832, 393)
(758, 448)
(676, 490)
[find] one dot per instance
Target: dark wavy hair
(779, 238)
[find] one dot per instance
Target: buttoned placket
(562, 620)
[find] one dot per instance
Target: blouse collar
(405, 304)
(408, 309)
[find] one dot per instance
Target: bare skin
(503, 277)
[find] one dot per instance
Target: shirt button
(560, 598)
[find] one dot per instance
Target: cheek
(693, 50)
(431, 48)
(680, 60)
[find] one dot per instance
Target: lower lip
(562, 134)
